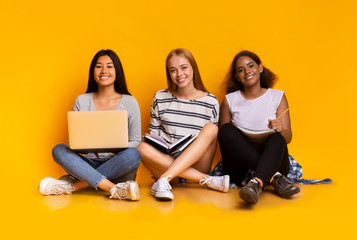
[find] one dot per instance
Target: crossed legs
(94, 171)
(194, 163)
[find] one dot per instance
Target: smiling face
(104, 71)
(181, 72)
(248, 71)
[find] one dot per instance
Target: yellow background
(46, 49)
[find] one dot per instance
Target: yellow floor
(47, 47)
(318, 212)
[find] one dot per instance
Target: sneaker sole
(152, 192)
(246, 195)
(134, 191)
(290, 193)
(164, 196)
(42, 186)
(226, 183)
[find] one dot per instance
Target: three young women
(112, 172)
(185, 107)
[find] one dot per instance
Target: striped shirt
(173, 118)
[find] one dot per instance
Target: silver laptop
(97, 131)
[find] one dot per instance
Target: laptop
(97, 131)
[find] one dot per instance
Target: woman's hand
(275, 124)
(282, 124)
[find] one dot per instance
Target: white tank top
(254, 114)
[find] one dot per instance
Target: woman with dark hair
(119, 83)
(111, 172)
(250, 103)
(184, 108)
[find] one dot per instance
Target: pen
(282, 114)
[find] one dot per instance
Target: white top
(172, 117)
(254, 114)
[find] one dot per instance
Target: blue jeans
(120, 168)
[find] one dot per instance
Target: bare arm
(224, 113)
(282, 124)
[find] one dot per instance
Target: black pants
(238, 155)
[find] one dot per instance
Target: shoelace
(212, 181)
(282, 181)
(164, 183)
(120, 192)
(254, 184)
(60, 189)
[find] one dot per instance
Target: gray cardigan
(85, 102)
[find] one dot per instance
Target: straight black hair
(119, 83)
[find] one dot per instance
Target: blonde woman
(186, 107)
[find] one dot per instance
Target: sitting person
(251, 103)
(184, 108)
(112, 172)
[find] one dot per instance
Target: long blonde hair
(197, 81)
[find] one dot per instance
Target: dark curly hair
(267, 77)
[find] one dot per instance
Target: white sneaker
(51, 186)
(161, 189)
(125, 191)
(219, 183)
(154, 187)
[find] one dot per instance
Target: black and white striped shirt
(172, 117)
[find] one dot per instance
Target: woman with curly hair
(251, 103)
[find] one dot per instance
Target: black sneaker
(251, 192)
(283, 186)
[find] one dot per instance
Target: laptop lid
(97, 131)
